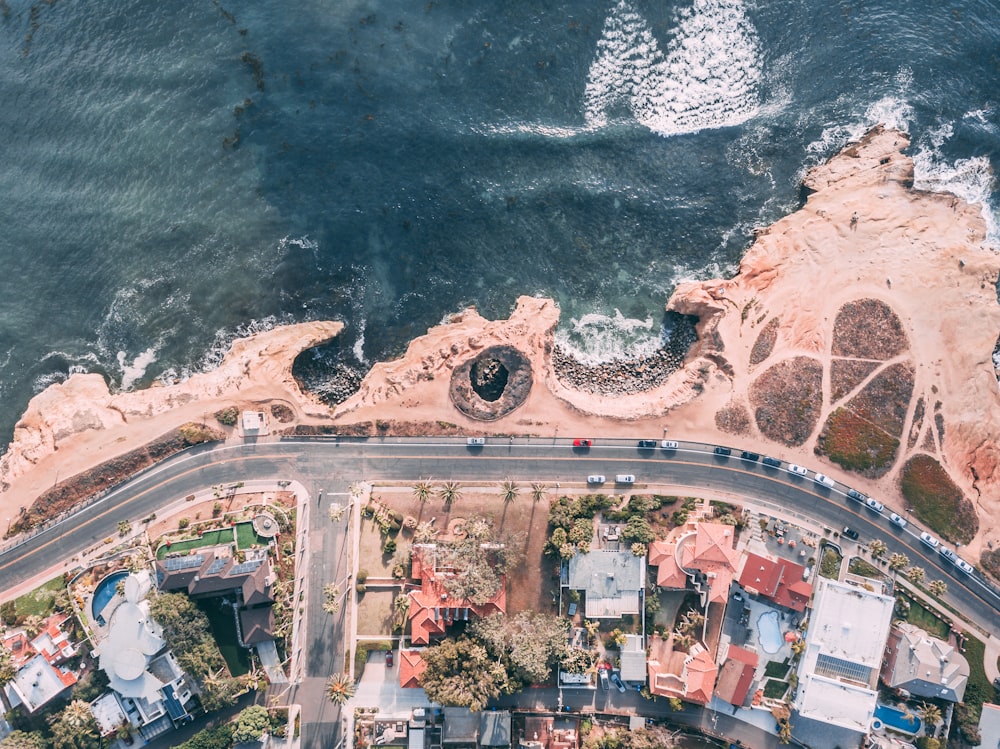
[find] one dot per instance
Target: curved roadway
(331, 465)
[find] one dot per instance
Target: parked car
(724, 451)
(929, 540)
(797, 470)
(737, 596)
(475, 441)
(897, 520)
(963, 565)
(602, 677)
(856, 495)
(582, 442)
(772, 462)
(823, 480)
(874, 505)
(947, 554)
(749, 456)
(388, 659)
(669, 444)
(850, 533)
(624, 478)
(617, 681)
(596, 478)
(647, 444)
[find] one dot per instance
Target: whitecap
(133, 372)
(708, 77)
(970, 179)
(359, 344)
(596, 338)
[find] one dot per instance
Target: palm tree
(898, 562)
(508, 491)
(877, 548)
(33, 625)
(450, 492)
(77, 715)
(682, 641)
(938, 588)
(422, 490)
(401, 607)
(331, 598)
(7, 674)
(124, 527)
(915, 574)
(930, 714)
(538, 491)
(340, 689)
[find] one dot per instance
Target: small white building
(254, 423)
(37, 683)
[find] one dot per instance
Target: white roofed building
(840, 667)
(612, 582)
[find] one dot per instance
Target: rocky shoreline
(627, 376)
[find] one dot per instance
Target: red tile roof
(736, 676)
(777, 580)
(411, 668)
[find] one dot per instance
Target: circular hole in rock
(488, 378)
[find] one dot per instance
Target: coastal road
(331, 465)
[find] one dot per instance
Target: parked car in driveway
(929, 540)
(797, 470)
(595, 478)
(582, 442)
(897, 520)
(874, 505)
(602, 677)
(617, 681)
(823, 480)
(388, 659)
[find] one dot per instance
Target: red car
(388, 659)
(582, 443)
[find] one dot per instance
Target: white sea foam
(595, 338)
(133, 372)
(359, 344)
(707, 78)
(970, 179)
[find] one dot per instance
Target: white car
(475, 441)
(874, 505)
(824, 480)
(669, 445)
(929, 540)
(897, 520)
(948, 554)
(963, 565)
(624, 478)
(797, 470)
(595, 478)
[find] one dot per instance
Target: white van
(624, 478)
(822, 478)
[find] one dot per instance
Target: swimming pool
(768, 632)
(895, 719)
(104, 592)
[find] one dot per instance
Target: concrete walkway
(991, 657)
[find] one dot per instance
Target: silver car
(797, 470)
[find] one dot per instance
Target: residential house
(460, 727)
(924, 665)
(839, 668)
(431, 609)
(152, 690)
(702, 555)
(737, 675)
(494, 728)
(411, 668)
(37, 683)
(612, 581)
(214, 571)
(633, 659)
(689, 676)
(40, 676)
(780, 581)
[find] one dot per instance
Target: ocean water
(173, 176)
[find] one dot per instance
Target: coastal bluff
(856, 338)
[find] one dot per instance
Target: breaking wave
(708, 77)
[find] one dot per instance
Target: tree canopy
(23, 740)
(477, 563)
(75, 728)
(461, 673)
(528, 644)
(251, 724)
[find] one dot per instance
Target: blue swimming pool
(769, 632)
(896, 719)
(104, 592)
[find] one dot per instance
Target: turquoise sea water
(175, 175)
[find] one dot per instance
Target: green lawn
(775, 689)
(211, 538)
(247, 537)
(776, 669)
(924, 619)
(39, 601)
(223, 626)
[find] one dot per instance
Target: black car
(752, 457)
(723, 451)
(648, 444)
(850, 533)
(856, 495)
(773, 462)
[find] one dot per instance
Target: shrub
(389, 547)
(856, 444)
(362, 576)
(183, 523)
(937, 501)
(228, 416)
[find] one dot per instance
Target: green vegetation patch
(246, 536)
(921, 617)
(885, 400)
(989, 560)
(776, 669)
(859, 566)
(223, 627)
(856, 444)
(362, 651)
(210, 538)
(868, 329)
(775, 689)
(786, 400)
(937, 501)
(228, 416)
(847, 374)
(977, 691)
(829, 567)
(40, 601)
